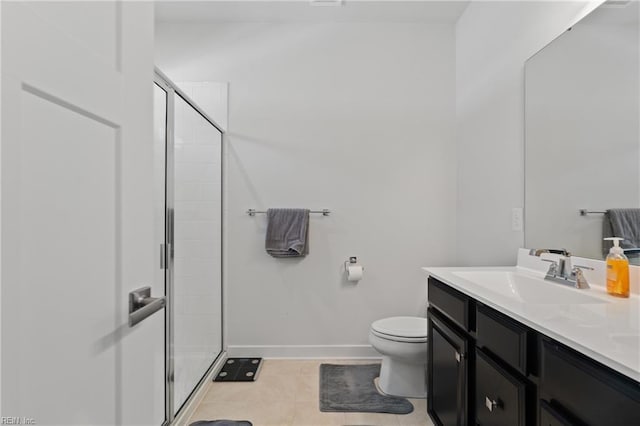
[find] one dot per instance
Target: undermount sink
(528, 289)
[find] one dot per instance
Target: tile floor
(286, 394)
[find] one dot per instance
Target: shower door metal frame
(172, 90)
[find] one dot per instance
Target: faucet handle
(581, 281)
(582, 267)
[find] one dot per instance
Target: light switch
(516, 219)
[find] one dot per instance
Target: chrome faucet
(562, 271)
(538, 252)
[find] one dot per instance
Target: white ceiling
(302, 11)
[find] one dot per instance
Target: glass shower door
(197, 248)
(188, 195)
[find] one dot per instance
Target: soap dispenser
(617, 270)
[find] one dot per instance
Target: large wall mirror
(582, 125)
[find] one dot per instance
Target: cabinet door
(500, 396)
(447, 374)
(549, 416)
(588, 390)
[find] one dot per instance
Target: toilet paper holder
(352, 261)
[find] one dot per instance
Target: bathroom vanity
(506, 348)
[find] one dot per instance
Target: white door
(77, 214)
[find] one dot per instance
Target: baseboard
(303, 351)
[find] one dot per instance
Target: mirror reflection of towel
(623, 223)
(287, 232)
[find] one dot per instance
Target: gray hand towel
(287, 232)
(623, 223)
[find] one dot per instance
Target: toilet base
(399, 378)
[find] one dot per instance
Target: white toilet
(402, 341)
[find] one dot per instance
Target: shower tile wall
(197, 277)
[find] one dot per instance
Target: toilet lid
(411, 327)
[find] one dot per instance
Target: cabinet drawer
(503, 337)
(500, 397)
(549, 416)
(594, 393)
(450, 302)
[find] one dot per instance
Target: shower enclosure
(188, 167)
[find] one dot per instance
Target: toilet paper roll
(354, 272)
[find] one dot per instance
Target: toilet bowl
(402, 342)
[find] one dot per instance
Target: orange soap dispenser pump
(617, 270)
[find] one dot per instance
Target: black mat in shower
(239, 370)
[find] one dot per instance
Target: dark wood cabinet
(454, 305)
(487, 369)
(500, 396)
(586, 391)
(447, 373)
(550, 416)
(505, 338)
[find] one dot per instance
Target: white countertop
(607, 332)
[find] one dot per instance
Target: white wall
(212, 97)
(357, 118)
(493, 41)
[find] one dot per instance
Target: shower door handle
(142, 305)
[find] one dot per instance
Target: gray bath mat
(221, 423)
(350, 388)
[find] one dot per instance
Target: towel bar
(253, 212)
(584, 212)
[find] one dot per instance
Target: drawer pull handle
(491, 404)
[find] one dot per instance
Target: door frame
(172, 90)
